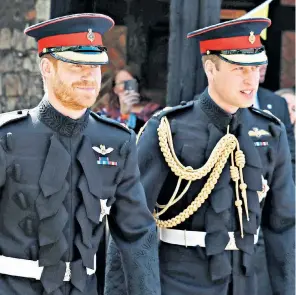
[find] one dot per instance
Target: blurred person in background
(268, 100)
(272, 102)
(103, 98)
(122, 100)
(289, 95)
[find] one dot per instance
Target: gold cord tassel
(234, 173)
(214, 166)
(240, 162)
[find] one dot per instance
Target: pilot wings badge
(256, 132)
(103, 150)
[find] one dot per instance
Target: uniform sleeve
(2, 166)
(152, 165)
(279, 223)
(133, 230)
(290, 135)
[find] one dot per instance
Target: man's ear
(46, 67)
(210, 69)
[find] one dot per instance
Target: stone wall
(288, 53)
(20, 80)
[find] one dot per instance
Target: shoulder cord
(216, 162)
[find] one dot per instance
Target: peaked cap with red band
(236, 41)
(73, 38)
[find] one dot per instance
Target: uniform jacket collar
(217, 115)
(59, 123)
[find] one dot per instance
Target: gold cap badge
(252, 38)
(90, 35)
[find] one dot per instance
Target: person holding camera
(126, 87)
(120, 99)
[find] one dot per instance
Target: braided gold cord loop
(187, 173)
(214, 165)
(204, 193)
(174, 199)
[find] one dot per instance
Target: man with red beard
(64, 169)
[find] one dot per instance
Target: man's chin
(83, 104)
(88, 101)
(86, 98)
(246, 105)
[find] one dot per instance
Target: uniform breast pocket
(193, 156)
(268, 158)
(110, 174)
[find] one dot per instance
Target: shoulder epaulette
(110, 122)
(267, 114)
(170, 110)
(6, 118)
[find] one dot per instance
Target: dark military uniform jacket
(196, 128)
(52, 186)
(279, 108)
(268, 100)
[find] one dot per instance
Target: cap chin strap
(73, 48)
(236, 51)
(82, 59)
